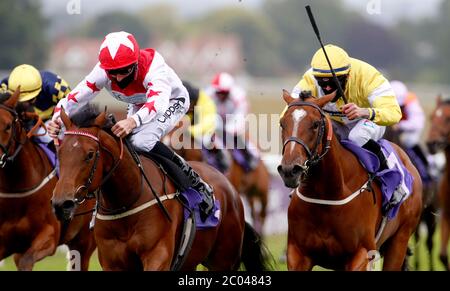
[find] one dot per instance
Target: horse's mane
(86, 115)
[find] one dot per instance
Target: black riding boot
(207, 205)
(251, 159)
(375, 148)
(221, 159)
(243, 145)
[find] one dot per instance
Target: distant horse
(28, 226)
(430, 207)
(254, 184)
(439, 139)
(333, 219)
(131, 234)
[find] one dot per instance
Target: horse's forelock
(85, 116)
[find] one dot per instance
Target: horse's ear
(321, 102)
(65, 118)
(287, 97)
(12, 101)
(100, 120)
(439, 99)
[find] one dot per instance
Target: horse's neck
(447, 162)
(26, 170)
(123, 187)
(328, 178)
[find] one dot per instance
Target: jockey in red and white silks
(156, 97)
(231, 103)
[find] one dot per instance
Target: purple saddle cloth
(210, 159)
(51, 156)
(389, 179)
(193, 198)
(239, 157)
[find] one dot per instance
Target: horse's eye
(89, 156)
(316, 124)
(8, 127)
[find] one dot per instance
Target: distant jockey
(203, 116)
(410, 128)
(232, 107)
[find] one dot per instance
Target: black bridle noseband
(313, 156)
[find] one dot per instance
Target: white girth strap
(136, 209)
(332, 202)
(32, 191)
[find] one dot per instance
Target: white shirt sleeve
(84, 92)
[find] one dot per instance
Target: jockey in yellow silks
(371, 102)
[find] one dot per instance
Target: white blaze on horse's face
(298, 115)
(439, 112)
(75, 144)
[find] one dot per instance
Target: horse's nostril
(68, 204)
(297, 170)
(280, 169)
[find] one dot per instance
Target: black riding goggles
(329, 81)
(121, 71)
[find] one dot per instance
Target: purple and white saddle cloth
(395, 181)
(193, 199)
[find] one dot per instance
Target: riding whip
(316, 30)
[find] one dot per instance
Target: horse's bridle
(5, 157)
(313, 156)
(88, 193)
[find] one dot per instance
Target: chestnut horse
(131, 234)
(254, 185)
(28, 226)
(439, 139)
(333, 219)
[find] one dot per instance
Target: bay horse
(28, 226)
(332, 218)
(439, 139)
(254, 184)
(131, 234)
(430, 205)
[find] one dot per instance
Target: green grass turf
(275, 243)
